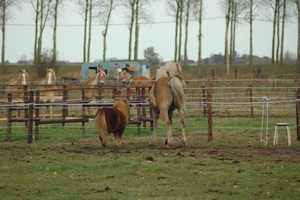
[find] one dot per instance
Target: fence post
(25, 99)
(204, 99)
(209, 114)
(251, 99)
(37, 115)
(83, 112)
(298, 114)
(64, 106)
(144, 109)
(9, 97)
(29, 141)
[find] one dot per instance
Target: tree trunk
(274, 33)
(226, 32)
(136, 43)
(231, 32)
(176, 31)
(85, 27)
(180, 30)
(106, 29)
(3, 35)
(54, 32)
(43, 22)
(278, 36)
(90, 32)
(282, 33)
(200, 38)
(298, 49)
(251, 35)
(234, 28)
(39, 52)
(186, 32)
(226, 45)
(130, 30)
(36, 31)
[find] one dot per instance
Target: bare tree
(5, 14)
(43, 16)
(106, 8)
(129, 5)
(282, 33)
(273, 5)
(188, 4)
(142, 14)
(199, 11)
(297, 2)
(173, 9)
(84, 8)
(138, 13)
(57, 3)
(36, 7)
(180, 28)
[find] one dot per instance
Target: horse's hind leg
(182, 127)
(165, 117)
(155, 118)
(118, 140)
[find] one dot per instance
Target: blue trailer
(89, 70)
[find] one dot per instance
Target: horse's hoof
(184, 144)
(151, 144)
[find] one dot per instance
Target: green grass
(64, 164)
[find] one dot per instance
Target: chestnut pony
(141, 80)
(167, 95)
(112, 120)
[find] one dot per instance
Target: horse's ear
(47, 69)
(20, 70)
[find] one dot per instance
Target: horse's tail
(177, 87)
(101, 125)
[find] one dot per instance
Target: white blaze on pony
(167, 95)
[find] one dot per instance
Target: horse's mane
(170, 69)
(24, 71)
(99, 71)
(54, 75)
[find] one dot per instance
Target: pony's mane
(170, 69)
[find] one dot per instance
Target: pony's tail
(101, 125)
(177, 87)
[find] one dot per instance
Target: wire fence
(237, 108)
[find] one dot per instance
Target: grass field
(63, 164)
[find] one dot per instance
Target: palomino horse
(93, 83)
(167, 95)
(141, 80)
(46, 94)
(15, 85)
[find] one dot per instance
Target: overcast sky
(160, 35)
